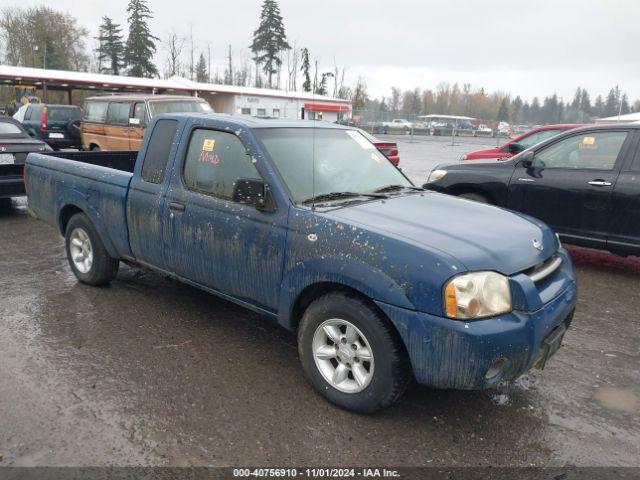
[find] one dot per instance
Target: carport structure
(230, 99)
(67, 81)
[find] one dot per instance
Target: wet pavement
(149, 371)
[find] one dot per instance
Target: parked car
(584, 183)
(56, 125)
(310, 225)
(118, 122)
(388, 149)
(484, 130)
(15, 143)
(518, 144)
(398, 123)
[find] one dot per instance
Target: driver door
(569, 184)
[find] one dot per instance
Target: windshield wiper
(393, 188)
(340, 195)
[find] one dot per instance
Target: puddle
(618, 399)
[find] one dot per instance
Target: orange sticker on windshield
(208, 144)
(588, 141)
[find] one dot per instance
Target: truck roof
(253, 122)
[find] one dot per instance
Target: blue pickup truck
(309, 224)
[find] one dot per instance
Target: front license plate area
(550, 346)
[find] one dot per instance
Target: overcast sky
(530, 48)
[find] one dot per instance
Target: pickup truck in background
(309, 224)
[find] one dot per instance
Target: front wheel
(351, 355)
(89, 260)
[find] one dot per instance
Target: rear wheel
(95, 148)
(476, 197)
(89, 260)
(351, 355)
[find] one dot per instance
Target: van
(118, 122)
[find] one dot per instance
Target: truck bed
(94, 182)
(124, 161)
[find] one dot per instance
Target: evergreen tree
(201, 70)
(52, 58)
(624, 105)
(141, 45)
(306, 67)
(503, 112)
(598, 107)
(111, 49)
(613, 102)
(585, 102)
(269, 39)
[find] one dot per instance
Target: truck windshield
(178, 106)
(344, 160)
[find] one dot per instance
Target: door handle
(178, 207)
(600, 183)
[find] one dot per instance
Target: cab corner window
(215, 164)
(586, 151)
(157, 156)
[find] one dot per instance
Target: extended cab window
(215, 162)
(157, 156)
(95, 111)
(592, 150)
(118, 113)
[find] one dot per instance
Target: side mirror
(527, 159)
(253, 192)
(515, 148)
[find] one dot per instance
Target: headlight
(436, 175)
(477, 295)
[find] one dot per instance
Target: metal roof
(63, 79)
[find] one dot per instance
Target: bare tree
(174, 45)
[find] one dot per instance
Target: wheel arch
(69, 209)
(479, 190)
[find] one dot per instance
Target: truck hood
(482, 237)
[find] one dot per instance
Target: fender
(73, 197)
(359, 276)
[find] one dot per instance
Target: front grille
(544, 269)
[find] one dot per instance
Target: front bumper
(447, 353)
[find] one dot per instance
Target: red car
(388, 149)
(519, 143)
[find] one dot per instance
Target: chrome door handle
(600, 183)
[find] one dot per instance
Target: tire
(95, 148)
(476, 197)
(102, 268)
(388, 372)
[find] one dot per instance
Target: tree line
(45, 38)
(449, 99)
